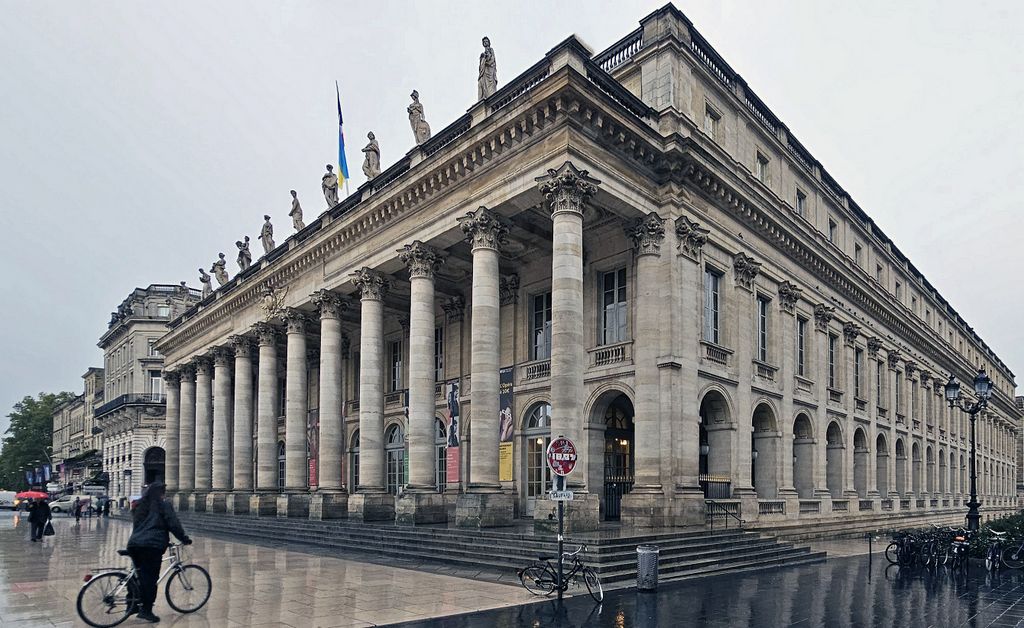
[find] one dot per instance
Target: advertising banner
(451, 389)
(313, 445)
(505, 423)
(46, 473)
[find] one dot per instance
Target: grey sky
(137, 140)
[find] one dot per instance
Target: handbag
(48, 530)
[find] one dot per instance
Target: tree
(28, 437)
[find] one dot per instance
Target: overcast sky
(138, 140)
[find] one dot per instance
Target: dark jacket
(39, 512)
(151, 531)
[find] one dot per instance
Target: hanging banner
(46, 473)
(505, 424)
(313, 445)
(454, 425)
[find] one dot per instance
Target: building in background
(76, 439)
(132, 419)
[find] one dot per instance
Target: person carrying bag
(48, 528)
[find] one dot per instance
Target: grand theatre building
(628, 249)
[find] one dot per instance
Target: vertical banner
(454, 425)
(28, 478)
(313, 445)
(505, 424)
(46, 473)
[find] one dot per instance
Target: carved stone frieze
(272, 300)
(508, 289)
(789, 294)
(567, 188)
(647, 234)
(850, 333)
(484, 229)
(823, 316)
(372, 285)
(745, 270)
(692, 237)
(421, 259)
(454, 309)
(330, 304)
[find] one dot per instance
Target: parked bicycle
(109, 597)
(541, 577)
(995, 550)
(904, 550)
(1013, 555)
(959, 551)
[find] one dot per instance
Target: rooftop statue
(371, 163)
(267, 235)
(244, 256)
(420, 128)
(487, 82)
(330, 187)
(296, 212)
(219, 269)
(206, 280)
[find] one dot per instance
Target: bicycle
(111, 596)
(1013, 555)
(995, 550)
(959, 551)
(541, 577)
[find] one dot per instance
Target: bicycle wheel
(188, 588)
(537, 579)
(992, 558)
(892, 553)
(593, 582)
(1013, 556)
(926, 555)
(107, 600)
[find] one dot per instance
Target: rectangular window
(540, 327)
(878, 273)
(396, 365)
(801, 346)
(355, 374)
(899, 291)
(913, 304)
(833, 230)
(711, 306)
(762, 329)
(156, 383)
(613, 314)
(711, 119)
(151, 348)
(163, 311)
(801, 204)
(858, 254)
(896, 389)
(439, 353)
(762, 169)
(832, 339)
(879, 370)
(858, 364)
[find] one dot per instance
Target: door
(618, 456)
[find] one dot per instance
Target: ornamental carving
(874, 344)
(267, 333)
(222, 357)
(484, 229)
(454, 309)
(294, 320)
(647, 234)
(508, 290)
(372, 285)
(789, 294)
(171, 378)
(242, 346)
(203, 365)
(823, 316)
(421, 259)
(329, 304)
(187, 372)
(691, 237)
(910, 368)
(567, 188)
(894, 358)
(272, 300)
(850, 333)
(745, 269)
(925, 377)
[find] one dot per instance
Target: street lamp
(983, 390)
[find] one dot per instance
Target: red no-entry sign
(561, 456)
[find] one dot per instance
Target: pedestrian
(152, 519)
(106, 508)
(77, 508)
(38, 515)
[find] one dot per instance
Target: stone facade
(636, 254)
(76, 441)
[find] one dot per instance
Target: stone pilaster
(242, 423)
(267, 404)
(204, 425)
(187, 432)
(331, 499)
(172, 384)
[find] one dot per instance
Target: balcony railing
(917, 424)
(810, 507)
(137, 399)
(803, 384)
(866, 504)
(835, 396)
(886, 504)
(771, 507)
(900, 419)
(919, 504)
(716, 354)
(840, 505)
(934, 503)
(765, 371)
(611, 354)
(862, 405)
(394, 399)
(904, 504)
(715, 487)
(882, 412)
(540, 369)
(439, 390)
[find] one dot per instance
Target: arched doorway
(618, 455)
(882, 466)
(153, 465)
(901, 467)
(716, 430)
(440, 455)
(834, 460)
(353, 458)
(803, 456)
(537, 435)
(861, 457)
(394, 456)
(765, 450)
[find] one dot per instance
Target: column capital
(421, 259)
(647, 233)
(484, 229)
(222, 356)
(372, 285)
(202, 364)
(789, 294)
(894, 358)
(267, 333)
(691, 236)
(171, 377)
(745, 270)
(294, 320)
(850, 333)
(330, 304)
(874, 344)
(567, 188)
(242, 345)
(910, 368)
(454, 309)
(823, 316)
(187, 372)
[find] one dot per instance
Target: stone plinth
(418, 508)
(688, 506)
(582, 514)
(217, 502)
(646, 510)
(180, 501)
(483, 510)
(371, 507)
(328, 506)
(293, 505)
(263, 505)
(238, 503)
(197, 502)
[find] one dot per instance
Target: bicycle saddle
(543, 558)
(122, 552)
(999, 534)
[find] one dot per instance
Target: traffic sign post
(561, 455)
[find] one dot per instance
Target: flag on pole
(342, 163)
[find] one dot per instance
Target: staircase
(684, 553)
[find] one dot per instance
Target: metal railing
(840, 505)
(136, 399)
(810, 506)
(771, 507)
(715, 487)
(714, 510)
(866, 504)
(886, 504)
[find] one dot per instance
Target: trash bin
(647, 567)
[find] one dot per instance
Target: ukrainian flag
(342, 162)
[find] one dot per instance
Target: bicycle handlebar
(579, 549)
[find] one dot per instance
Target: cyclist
(152, 519)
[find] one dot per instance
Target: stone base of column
(238, 503)
(748, 502)
(217, 502)
(180, 501)
(792, 498)
(371, 507)
(484, 510)
(197, 502)
(293, 505)
(263, 505)
(582, 514)
(647, 509)
(414, 508)
(328, 506)
(687, 506)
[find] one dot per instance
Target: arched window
(280, 464)
(394, 452)
(440, 455)
(537, 431)
(353, 454)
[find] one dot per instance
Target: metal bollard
(647, 567)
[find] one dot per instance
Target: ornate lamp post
(983, 390)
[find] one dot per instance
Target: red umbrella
(32, 495)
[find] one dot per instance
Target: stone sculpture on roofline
(487, 81)
(244, 256)
(330, 187)
(219, 269)
(206, 280)
(296, 212)
(420, 128)
(267, 235)
(371, 162)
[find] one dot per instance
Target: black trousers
(37, 529)
(147, 564)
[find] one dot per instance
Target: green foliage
(1014, 524)
(29, 437)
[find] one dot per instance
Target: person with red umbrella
(38, 515)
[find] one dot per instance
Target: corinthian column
(242, 423)
(330, 502)
(266, 418)
(221, 477)
(187, 433)
(372, 502)
(421, 503)
(296, 411)
(204, 425)
(172, 423)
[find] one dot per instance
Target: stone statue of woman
(219, 269)
(420, 128)
(487, 82)
(206, 280)
(267, 235)
(330, 187)
(296, 212)
(371, 163)
(244, 256)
